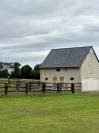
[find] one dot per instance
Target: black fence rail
(30, 87)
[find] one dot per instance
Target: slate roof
(66, 57)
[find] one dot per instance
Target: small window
(54, 78)
(46, 78)
(61, 78)
(58, 69)
(72, 78)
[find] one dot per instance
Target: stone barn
(78, 65)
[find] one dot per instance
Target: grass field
(50, 113)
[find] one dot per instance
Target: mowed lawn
(50, 113)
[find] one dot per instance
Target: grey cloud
(40, 25)
(93, 28)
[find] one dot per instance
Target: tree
(5, 68)
(37, 68)
(36, 72)
(16, 73)
(4, 73)
(26, 71)
(1, 66)
(36, 75)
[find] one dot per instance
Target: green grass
(52, 113)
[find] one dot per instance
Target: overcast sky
(30, 28)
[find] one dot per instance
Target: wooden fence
(19, 87)
(73, 87)
(30, 87)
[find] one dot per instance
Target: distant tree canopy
(36, 71)
(14, 70)
(5, 68)
(37, 67)
(26, 71)
(4, 73)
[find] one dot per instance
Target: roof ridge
(74, 47)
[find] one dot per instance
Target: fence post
(39, 83)
(9, 81)
(72, 88)
(6, 88)
(17, 85)
(43, 87)
(30, 86)
(58, 87)
(26, 89)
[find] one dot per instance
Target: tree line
(15, 70)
